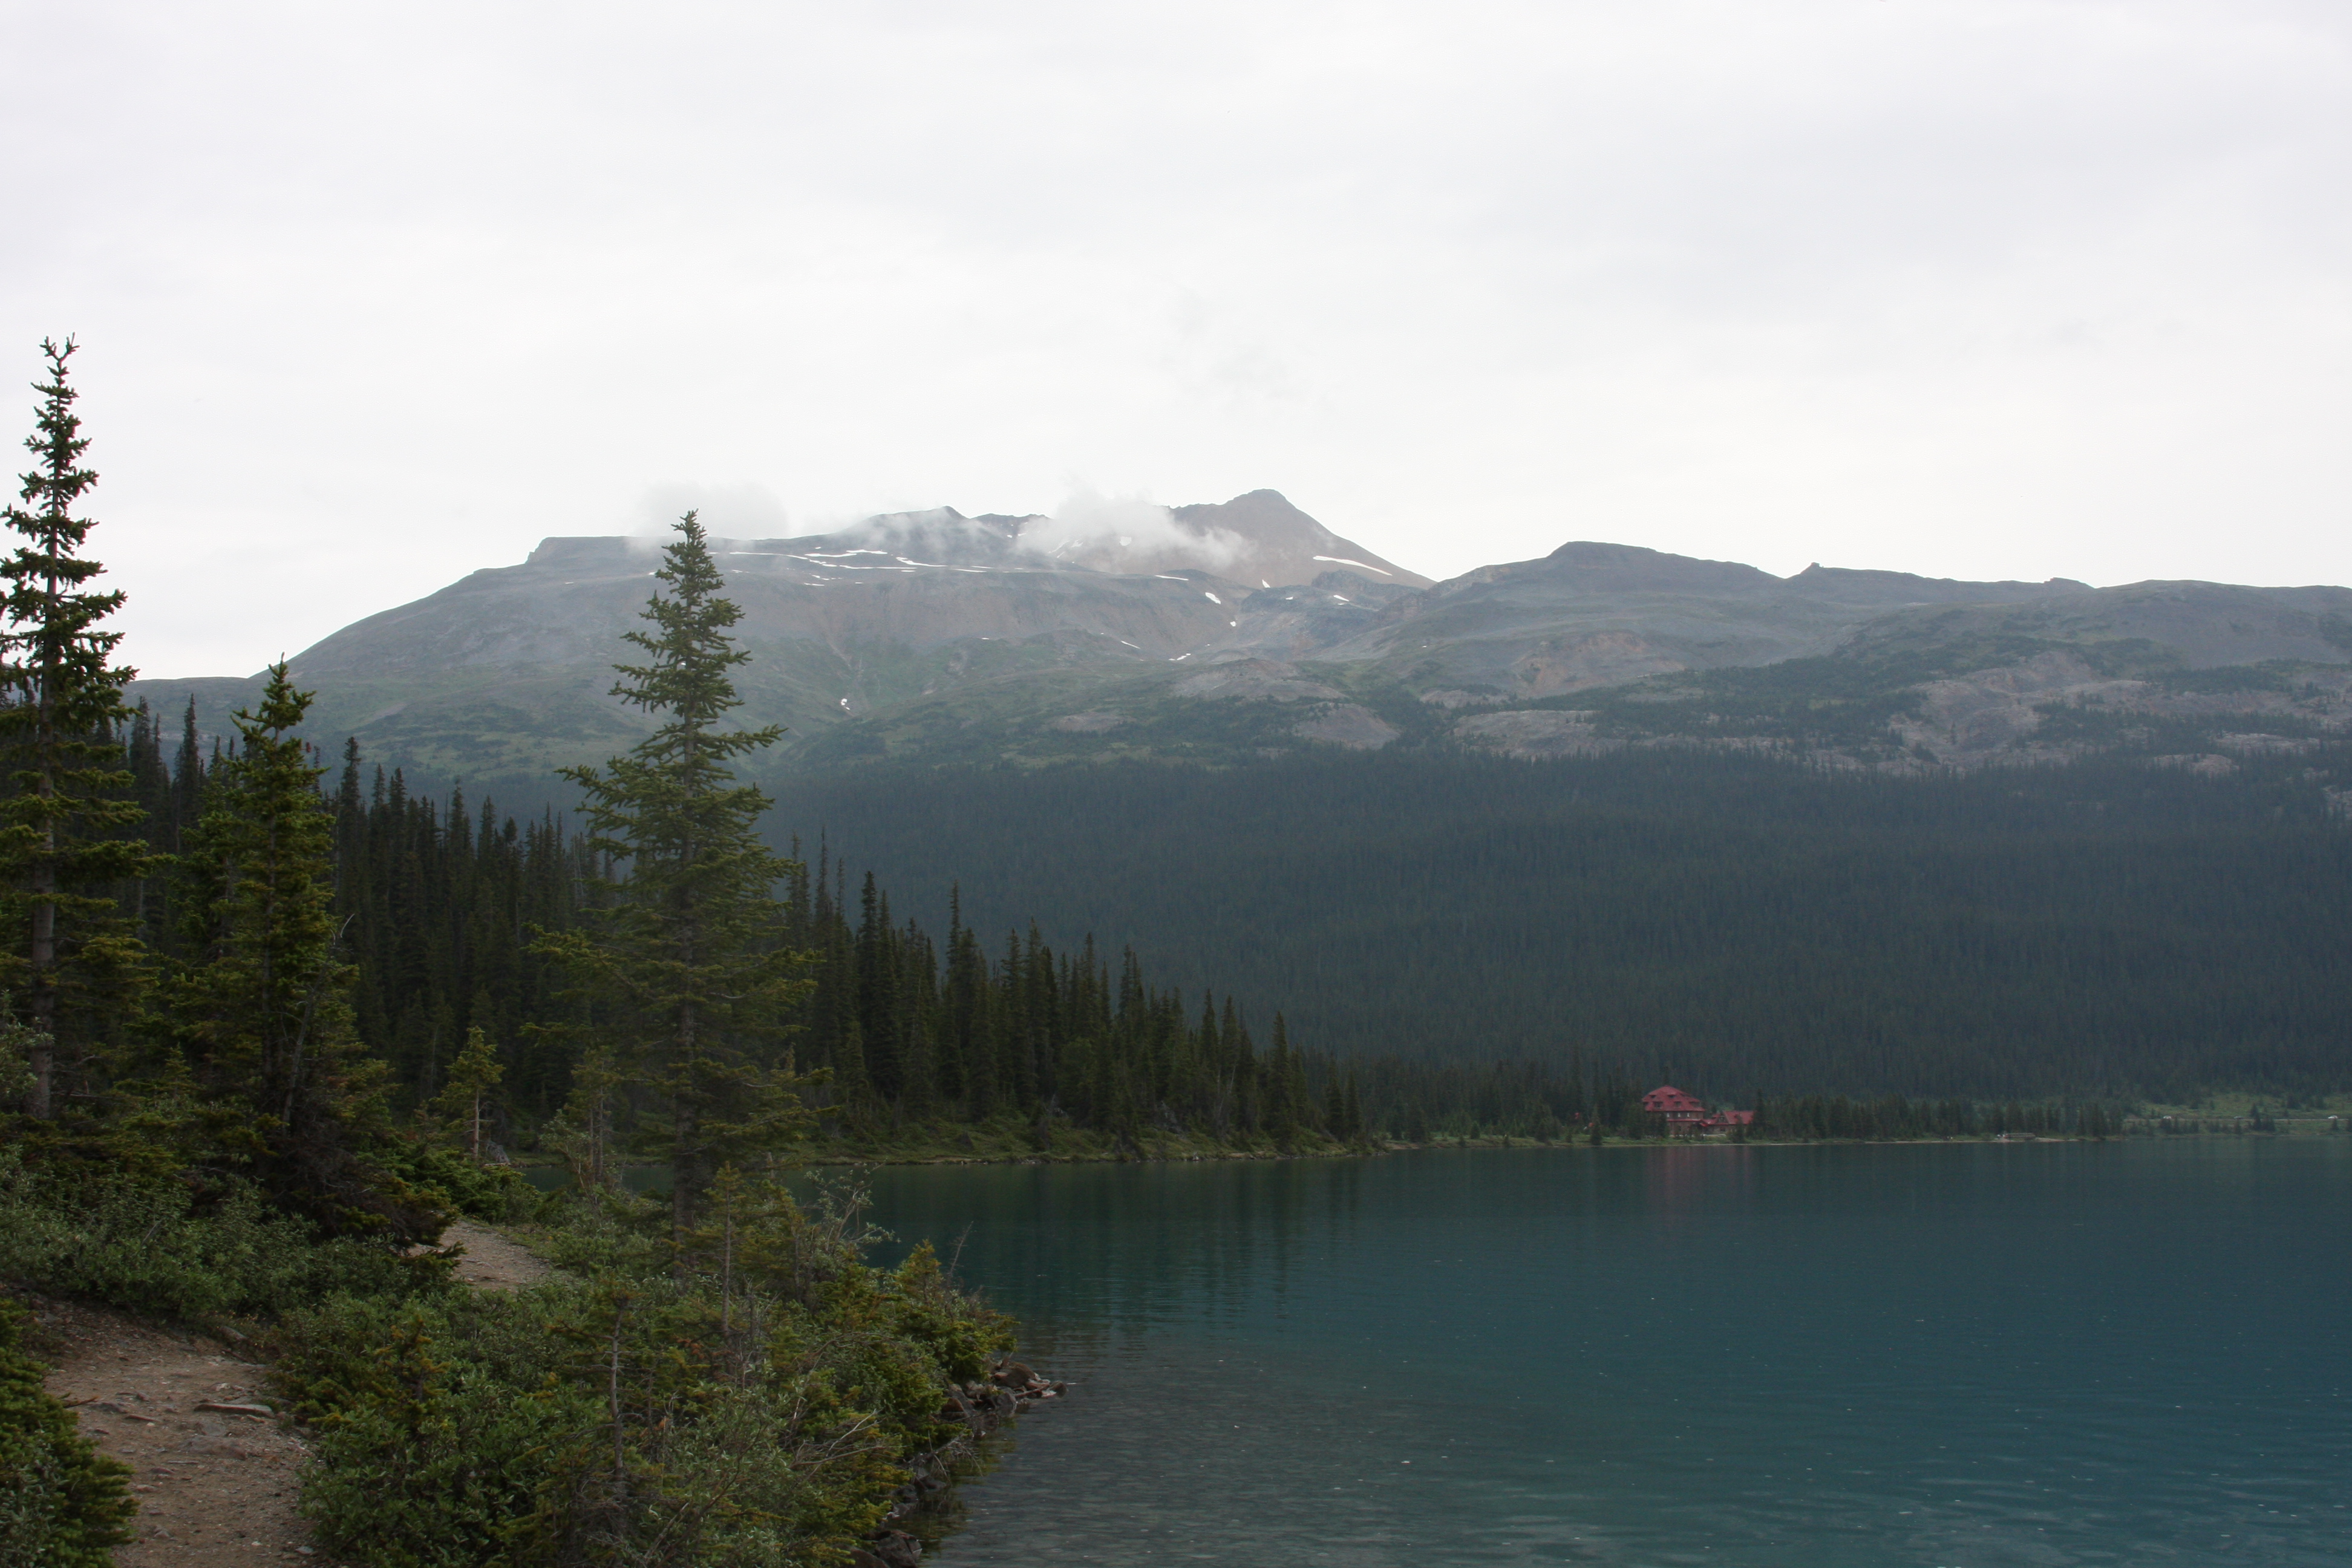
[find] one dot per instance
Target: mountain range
(1276, 764)
(1247, 629)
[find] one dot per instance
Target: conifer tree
(581, 1132)
(61, 828)
(261, 1008)
(466, 1098)
(687, 954)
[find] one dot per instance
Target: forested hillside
(2121, 926)
(2113, 930)
(917, 1032)
(1446, 941)
(441, 906)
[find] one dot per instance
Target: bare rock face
(1563, 664)
(1996, 714)
(1356, 728)
(2205, 766)
(1535, 733)
(1974, 718)
(1254, 680)
(2203, 625)
(1594, 615)
(2261, 745)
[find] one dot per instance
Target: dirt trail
(214, 1487)
(491, 1262)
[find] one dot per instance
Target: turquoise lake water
(2128, 1353)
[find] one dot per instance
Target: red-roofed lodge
(1686, 1113)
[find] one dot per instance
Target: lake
(1956, 1356)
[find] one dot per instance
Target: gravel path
(214, 1487)
(491, 1262)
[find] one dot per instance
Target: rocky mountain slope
(1215, 632)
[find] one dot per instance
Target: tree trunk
(620, 1429)
(44, 956)
(44, 951)
(45, 995)
(685, 1132)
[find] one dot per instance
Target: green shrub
(62, 1503)
(961, 1336)
(333, 1359)
(436, 1422)
(143, 1243)
(448, 1177)
(753, 1408)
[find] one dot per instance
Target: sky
(371, 296)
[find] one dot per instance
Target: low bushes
(155, 1244)
(62, 1503)
(753, 1408)
(752, 1403)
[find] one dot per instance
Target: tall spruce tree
(687, 952)
(261, 1008)
(64, 827)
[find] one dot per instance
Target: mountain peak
(1258, 539)
(1619, 568)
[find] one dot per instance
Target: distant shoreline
(1192, 1153)
(1180, 1150)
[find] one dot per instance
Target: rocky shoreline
(983, 1407)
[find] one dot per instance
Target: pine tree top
(60, 481)
(687, 678)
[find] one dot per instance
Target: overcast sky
(374, 295)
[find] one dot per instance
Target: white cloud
(376, 296)
(1127, 529)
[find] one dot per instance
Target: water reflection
(1950, 1354)
(1200, 1243)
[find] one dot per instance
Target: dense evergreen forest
(1737, 925)
(439, 904)
(440, 899)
